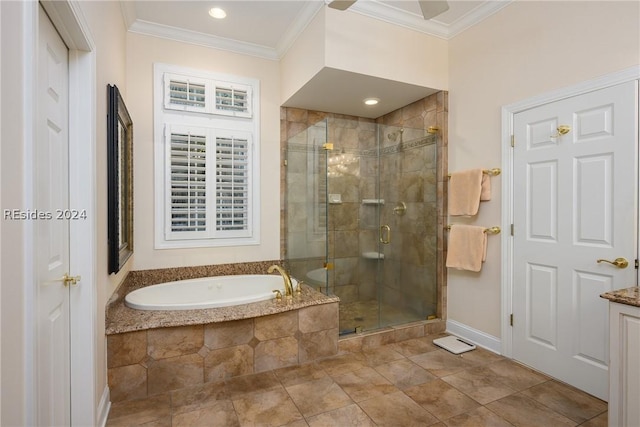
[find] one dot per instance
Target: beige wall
(142, 53)
(376, 48)
(525, 49)
(349, 41)
(107, 28)
(304, 58)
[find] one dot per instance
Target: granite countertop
(628, 296)
(119, 318)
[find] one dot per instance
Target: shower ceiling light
(371, 101)
(217, 13)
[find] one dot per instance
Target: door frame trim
(69, 20)
(508, 111)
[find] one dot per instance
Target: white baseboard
(104, 407)
(479, 338)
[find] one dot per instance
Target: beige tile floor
(411, 383)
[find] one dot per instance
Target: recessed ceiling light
(217, 13)
(371, 101)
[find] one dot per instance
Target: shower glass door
(306, 206)
(406, 270)
(361, 219)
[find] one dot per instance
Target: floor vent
(454, 344)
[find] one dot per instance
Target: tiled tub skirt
(152, 352)
(149, 362)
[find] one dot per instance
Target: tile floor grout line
(378, 358)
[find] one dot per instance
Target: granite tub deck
(152, 352)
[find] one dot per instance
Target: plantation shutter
(233, 213)
(233, 99)
(183, 93)
(206, 171)
(188, 184)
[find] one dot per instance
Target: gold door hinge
(513, 140)
(328, 146)
(511, 319)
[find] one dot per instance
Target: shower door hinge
(512, 229)
(513, 141)
(511, 319)
(636, 264)
(286, 163)
(327, 146)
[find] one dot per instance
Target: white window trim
(225, 123)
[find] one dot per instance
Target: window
(210, 96)
(206, 159)
(182, 93)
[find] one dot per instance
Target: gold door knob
(618, 262)
(562, 130)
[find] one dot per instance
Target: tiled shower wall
(412, 170)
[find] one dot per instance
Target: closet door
(53, 358)
(574, 204)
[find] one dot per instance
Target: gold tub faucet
(288, 287)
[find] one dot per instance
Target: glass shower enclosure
(361, 219)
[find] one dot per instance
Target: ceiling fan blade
(433, 8)
(341, 4)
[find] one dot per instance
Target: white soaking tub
(207, 292)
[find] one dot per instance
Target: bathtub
(207, 292)
(317, 276)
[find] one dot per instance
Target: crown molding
(201, 39)
(371, 8)
(388, 13)
(128, 10)
(477, 15)
(301, 22)
(181, 35)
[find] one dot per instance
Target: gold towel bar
(490, 172)
(491, 230)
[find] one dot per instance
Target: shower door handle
(385, 234)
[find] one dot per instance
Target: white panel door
(574, 202)
(53, 387)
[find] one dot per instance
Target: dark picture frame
(119, 180)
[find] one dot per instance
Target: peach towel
(467, 248)
(485, 191)
(465, 188)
